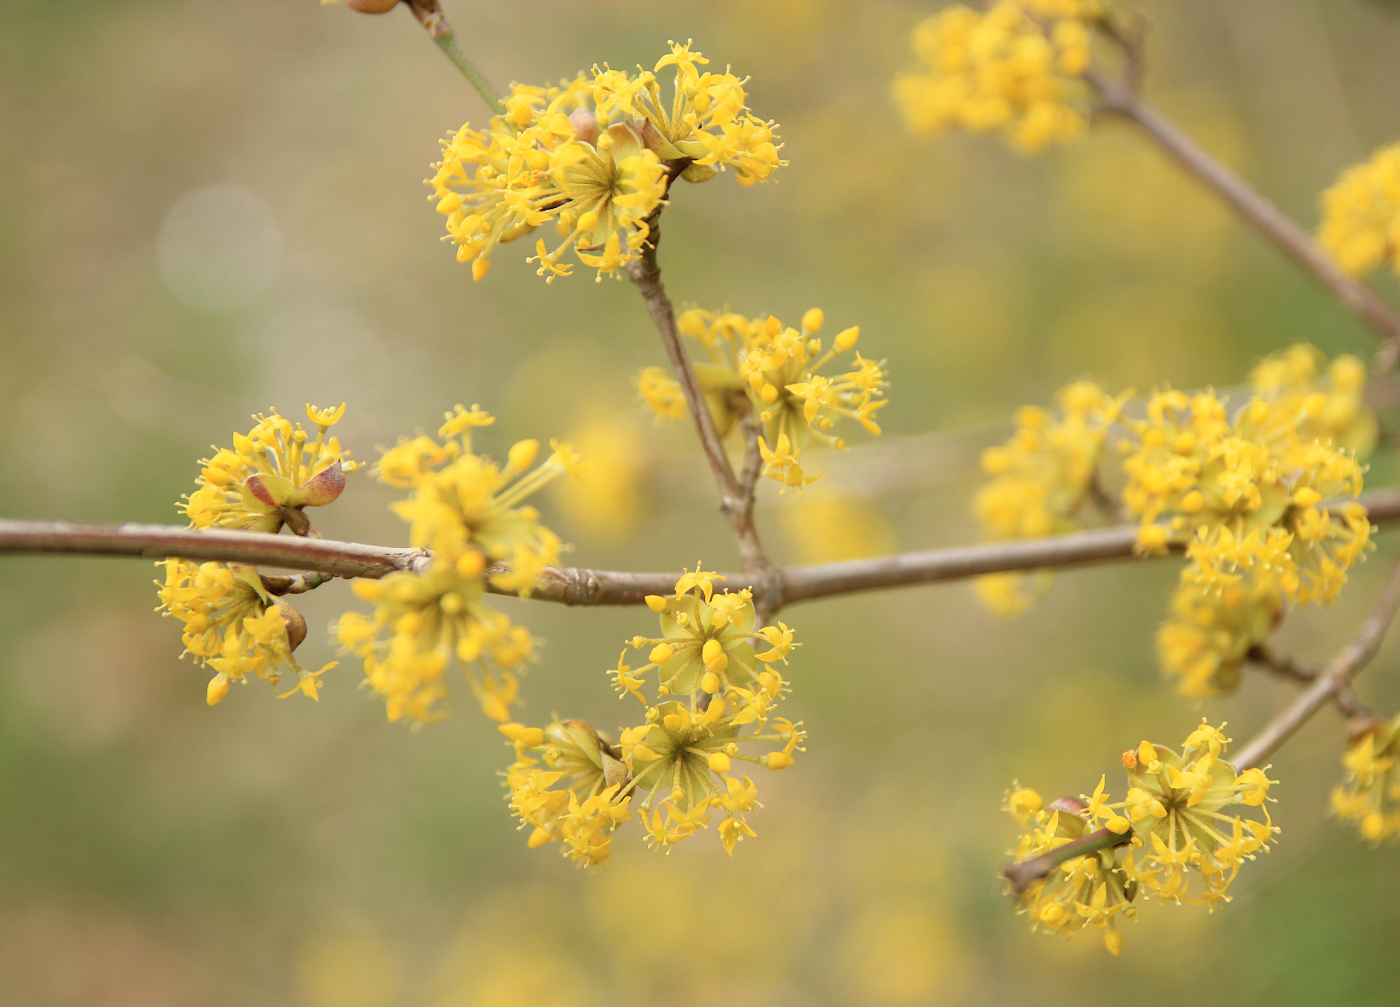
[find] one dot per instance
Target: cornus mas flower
(1203, 643)
(1184, 847)
(469, 511)
(773, 370)
(1247, 490)
(270, 476)
(1369, 794)
(1090, 889)
(1360, 225)
(661, 392)
(712, 684)
(1041, 477)
(576, 799)
(232, 624)
(1180, 845)
(1321, 401)
(1014, 68)
(594, 157)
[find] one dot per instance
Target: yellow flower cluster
(1325, 402)
(270, 476)
(468, 511)
(1369, 794)
(265, 481)
(712, 683)
(1014, 67)
(1041, 477)
(1249, 491)
(233, 625)
(1361, 214)
(595, 157)
(1180, 846)
(1204, 642)
(772, 369)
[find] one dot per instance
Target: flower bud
(719, 762)
(661, 653)
(218, 689)
(296, 624)
(372, 6)
(656, 603)
(532, 736)
(846, 338)
(585, 125)
(812, 320)
(522, 454)
(778, 760)
(321, 489)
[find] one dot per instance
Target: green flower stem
(447, 42)
(433, 21)
(1024, 873)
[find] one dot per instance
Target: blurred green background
(207, 208)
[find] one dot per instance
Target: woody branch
(579, 586)
(1121, 97)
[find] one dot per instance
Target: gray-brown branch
(1121, 98)
(1332, 682)
(576, 586)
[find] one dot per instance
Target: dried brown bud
(296, 624)
(372, 6)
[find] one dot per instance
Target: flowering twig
(1022, 874)
(430, 16)
(572, 586)
(734, 501)
(1121, 98)
(1333, 681)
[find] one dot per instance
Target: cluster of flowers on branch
(232, 622)
(1258, 495)
(570, 785)
(594, 157)
(470, 512)
(1170, 838)
(762, 368)
(1014, 67)
(1369, 794)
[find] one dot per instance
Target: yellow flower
(1249, 487)
(661, 392)
(470, 512)
(1091, 889)
(1013, 68)
(1203, 643)
(579, 799)
(1319, 403)
(270, 476)
(1369, 794)
(233, 625)
(1040, 479)
(776, 367)
(712, 684)
(594, 157)
(1184, 847)
(1360, 225)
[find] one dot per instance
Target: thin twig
(573, 586)
(645, 273)
(1332, 681)
(430, 16)
(1282, 665)
(1120, 98)
(1024, 873)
